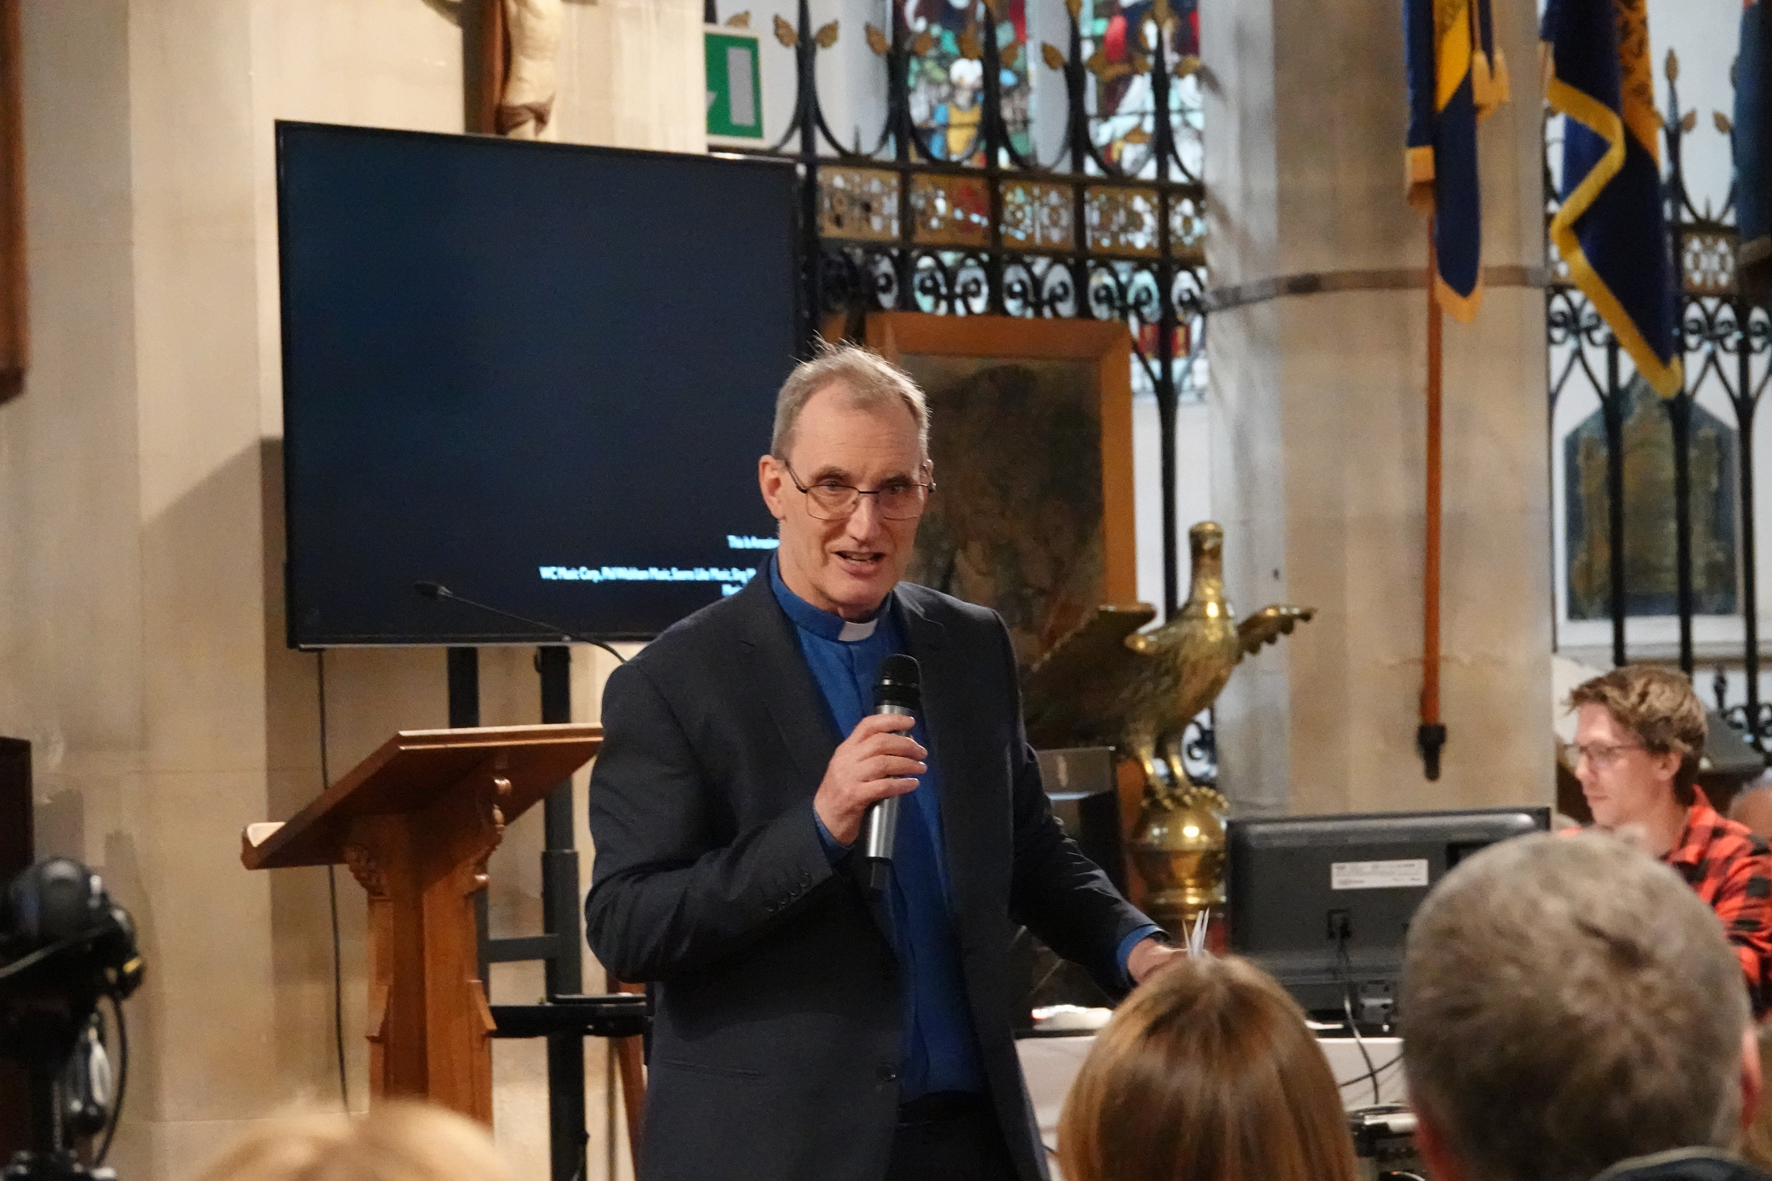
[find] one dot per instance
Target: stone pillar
(1319, 421)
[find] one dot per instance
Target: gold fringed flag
(1456, 77)
(1753, 152)
(1611, 229)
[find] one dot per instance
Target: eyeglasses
(896, 500)
(1599, 755)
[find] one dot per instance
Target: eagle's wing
(1270, 623)
(1069, 694)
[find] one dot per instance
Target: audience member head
(1568, 1003)
(1756, 1145)
(1639, 735)
(1208, 1073)
(396, 1141)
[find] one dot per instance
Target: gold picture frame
(1031, 434)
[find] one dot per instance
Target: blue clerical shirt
(939, 1051)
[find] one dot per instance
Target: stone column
(1319, 421)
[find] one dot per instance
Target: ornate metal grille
(1726, 344)
(962, 216)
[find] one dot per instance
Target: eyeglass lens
(896, 502)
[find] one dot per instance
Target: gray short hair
(869, 379)
(1568, 1003)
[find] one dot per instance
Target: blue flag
(1611, 229)
(1753, 153)
(1456, 77)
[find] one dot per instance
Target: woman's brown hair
(1206, 1073)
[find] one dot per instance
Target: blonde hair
(1660, 708)
(396, 1141)
(1568, 1003)
(1206, 1073)
(868, 379)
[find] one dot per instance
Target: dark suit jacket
(776, 1043)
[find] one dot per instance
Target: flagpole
(1431, 735)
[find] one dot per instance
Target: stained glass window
(1120, 36)
(946, 78)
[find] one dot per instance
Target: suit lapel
(946, 719)
(784, 681)
(771, 644)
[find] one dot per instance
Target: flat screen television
(1323, 903)
(537, 374)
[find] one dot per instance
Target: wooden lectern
(416, 822)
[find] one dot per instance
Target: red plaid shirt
(1732, 871)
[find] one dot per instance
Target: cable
(1050, 973)
(122, 1079)
(26, 962)
(1347, 1005)
(436, 590)
(1374, 1074)
(338, 984)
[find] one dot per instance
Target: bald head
(1568, 1003)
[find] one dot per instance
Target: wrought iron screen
(952, 211)
(1725, 341)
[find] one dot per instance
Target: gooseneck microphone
(897, 690)
(436, 590)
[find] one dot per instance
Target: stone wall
(141, 628)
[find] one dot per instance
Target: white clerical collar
(859, 631)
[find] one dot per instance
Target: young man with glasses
(1638, 740)
(807, 1029)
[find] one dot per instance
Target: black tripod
(63, 946)
(72, 1099)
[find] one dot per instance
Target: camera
(64, 948)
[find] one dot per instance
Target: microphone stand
(436, 590)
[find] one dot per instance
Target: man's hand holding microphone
(878, 760)
(876, 764)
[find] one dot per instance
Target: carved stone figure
(527, 104)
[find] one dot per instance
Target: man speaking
(808, 1026)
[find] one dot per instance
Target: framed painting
(1031, 437)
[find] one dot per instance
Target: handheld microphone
(897, 690)
(436, 590)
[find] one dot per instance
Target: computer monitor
(1323, 903)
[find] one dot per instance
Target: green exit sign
(735, 84)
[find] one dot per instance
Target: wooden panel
(14, 334)
(413, 767)
(416, 822)
(488, 55)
